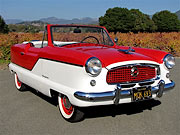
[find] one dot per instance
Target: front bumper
(119, 94)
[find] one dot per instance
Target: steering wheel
(89, 37)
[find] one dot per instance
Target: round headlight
(169, 61)
(93, 66)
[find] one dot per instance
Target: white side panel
(31, 78)
(75, 77)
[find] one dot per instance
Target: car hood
(109, 55)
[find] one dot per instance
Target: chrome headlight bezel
(169, 61)
(93, 66)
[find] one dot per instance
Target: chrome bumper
(119, 94)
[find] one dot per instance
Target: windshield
(65, 35)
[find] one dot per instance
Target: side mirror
(116, 40)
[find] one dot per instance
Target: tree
(3, 26)
(166, 21)
(124, 20)
(142, 22)
(117, 20)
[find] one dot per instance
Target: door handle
(22, 53)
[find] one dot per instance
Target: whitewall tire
(19, 85)
(68, 111)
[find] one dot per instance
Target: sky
(69, 9)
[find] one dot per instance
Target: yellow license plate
(141, 93)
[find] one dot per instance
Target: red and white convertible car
(82, 66)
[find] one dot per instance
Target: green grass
(2, 61)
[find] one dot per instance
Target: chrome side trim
(111, 95)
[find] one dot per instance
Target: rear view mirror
(77, 30)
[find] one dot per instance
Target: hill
(54, 20)
(13, 21)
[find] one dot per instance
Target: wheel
(19, 85)
(68, 111)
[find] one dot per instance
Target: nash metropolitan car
(82, 66)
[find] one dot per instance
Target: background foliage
(124, 20)
(169, 42)
(7, 40)
(166, 21)
(25, 28)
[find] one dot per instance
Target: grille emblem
(134, 71)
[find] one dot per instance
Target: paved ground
(29, 113)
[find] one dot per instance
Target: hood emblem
(128, 51)
(134, 71)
